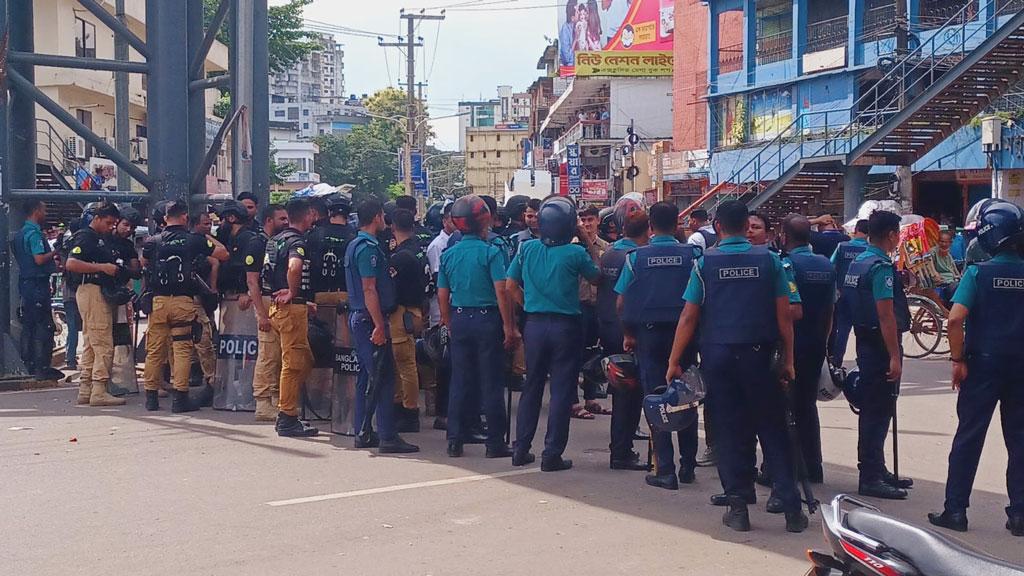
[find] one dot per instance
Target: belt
(552, 316)
(475, 309)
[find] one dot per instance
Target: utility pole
(122, 121)
(410, 45)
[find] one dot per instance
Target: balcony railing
(880, 22)
(827, 34)
(584, 130)
(730, 58)
(1010, 4)
(935, 13)
(775, 48)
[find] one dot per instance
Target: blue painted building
(801, 71)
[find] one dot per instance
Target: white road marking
(401, 487)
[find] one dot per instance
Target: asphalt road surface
(122, 491)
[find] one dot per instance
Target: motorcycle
(865, 542)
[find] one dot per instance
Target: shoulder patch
(249, 260)
(76, 250)
(301, 251)
(888, 281)
(209, 243)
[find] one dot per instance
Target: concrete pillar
(905, 184)
(854, 179)
(750, 39)
(196, 98)
(855, 24)
(23, 109)
(799, 33)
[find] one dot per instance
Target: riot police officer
(879, 312)
(371, 300)
(475, 308)
(844, 255)
(327, 243)
(171, 257)
(422, 234)
(286, 269)
(35, 265)
(740, 295)
(988, 366)
(651, 287)
(90, 259)
(267, 373)
(546, 275)
(231, 281)
(123, 241)
(626, 404)
(816, 282)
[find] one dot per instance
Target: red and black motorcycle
(866, 542)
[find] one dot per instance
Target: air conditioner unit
(140, 147)
(991, 134)
(76, 147)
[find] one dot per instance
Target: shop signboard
(612, 25)
(595, 191)
(575, 171)
(624, 64)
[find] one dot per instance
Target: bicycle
(927, 332)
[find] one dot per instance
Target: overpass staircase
(921, 99)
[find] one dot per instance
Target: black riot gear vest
(172, 265)
(612, 262)
(232, 273)
(275, 265)
(816, 281)
(327, 245)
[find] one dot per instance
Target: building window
(293, 113)
(279, 113)
(935, 13)
(141, 131)
(499, 137)
(485, 154)
(305, 125)
(85, 39)
(470, 138)
(498, 153)
(774, 31)
(305, 111)
(472, 155)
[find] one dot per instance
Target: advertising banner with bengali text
(629, 64)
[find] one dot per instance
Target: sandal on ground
(597, 408)
(581, 413)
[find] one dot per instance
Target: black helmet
(321, 343)
(434, 217)
(160, 212)
(118, 295)
(557, 221)
(853, 391)
(233, 207)
(435, 344)
(674, 407)
(389, 208)
(593, 370)
(339, 203)
(999, 223)
(129, 213)
(470, 214)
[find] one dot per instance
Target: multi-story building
(510, 108)
(63, 28)
(817, 104)
(301, 156)
(318, 118)
(319, 77)
(493, 154)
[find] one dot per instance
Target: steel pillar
(854, 179)
(5, 184)
(122, 120)
(242, 73)
(196, 100)
(259, 112)
(23, 109)
(168, 100)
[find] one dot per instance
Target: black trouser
(877, 404)
(805, 406)
(476, 349)
(552, 349)
(653, 348)
(990, 379)
(36, 324)
(627, 405)
(591, 331)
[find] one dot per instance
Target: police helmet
(339, 203)
(470, 214)
(999, 223)
(160, 212)
(557, 221)
(516, 205)
(853, 391)
(830, 382)
(674, 407)
(435, 344)
(129, 213)
(621, 372)
(116, 294)
(321, 343)
(593, 370)
(607, 218)
(88, 213)
(389, 209)
(625, 207)
(233, 207)
(434, 218)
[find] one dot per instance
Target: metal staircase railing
(812, 138)
(51, 148)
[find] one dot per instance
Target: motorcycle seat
(931, 552)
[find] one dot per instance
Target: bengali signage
(612, 25)
(649, 63)
(575, 171)
(595, 191)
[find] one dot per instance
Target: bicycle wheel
(925, 333)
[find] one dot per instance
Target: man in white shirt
(702, 233)
(434, 249)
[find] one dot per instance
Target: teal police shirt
(369, 257)
(882, 278)
(626, 277)
(695, 289)
(469, 270)
(967, 293)
(549, 276)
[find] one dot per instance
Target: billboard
(635, 63)
(613, 25)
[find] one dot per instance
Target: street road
(122, 491)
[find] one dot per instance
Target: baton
(374, 372)
(799, 465)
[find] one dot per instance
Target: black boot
(367, 440)
(180, 402)
(290, 426)
(666, 481)
(408, 419)
(879, 489)
(152, 400)
(956, 521)
(498, 451)
(796, 521)
(687, 475)
(1015, 524)
(723, 500)
(890, 479)
(737, 517)
(774, 505)
(454, 449)
(522, 458)
(397, 446)
(630, 461)
(204, 396)
(555, 464)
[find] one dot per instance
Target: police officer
(422, 234)
(252, 209)
(327, 242)
(475, 308)
(546, 275)
(739, 294)
(231, 281)
(371, 300)
(651, 287)
(267, 373)
(880, 315)
(171, 257)
(287, 271)
(988, 366)
(122, 242)
(410, 272)
(626, 404)
(208, 270)
(90, 258)
(531, 228)
(35, 265)
(841, 259)
(816, 282)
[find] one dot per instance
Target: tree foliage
(289, 43)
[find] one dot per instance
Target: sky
(480, 45)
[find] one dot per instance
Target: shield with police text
(340, 372)
(236, 358)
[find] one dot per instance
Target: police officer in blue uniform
(626, 404)
(35, 265)
(475, 308)
(371, 294)
(988, 364)
(547, 273)
(844, 255)
(651, 288)
(878, 307)
(816, 283)
(741, 294)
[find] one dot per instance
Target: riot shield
(343, 373)
(236, 358)
(123, 376)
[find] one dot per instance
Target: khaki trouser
(98, 329)
(291, 323)
(204, 348)
(170, 327)
(403, 345)
(265, 382)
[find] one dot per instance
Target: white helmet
(830, 382)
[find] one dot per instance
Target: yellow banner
(624, 63)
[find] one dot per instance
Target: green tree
(289, 43)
